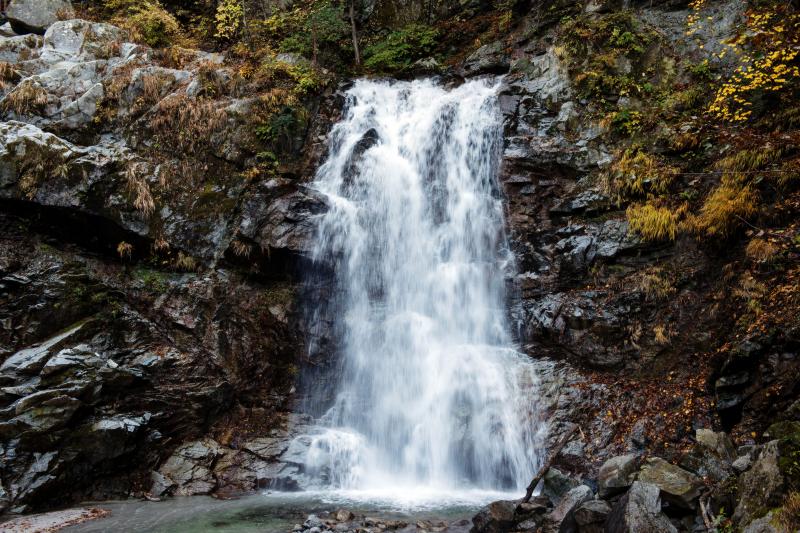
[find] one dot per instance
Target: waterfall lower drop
(432, 393)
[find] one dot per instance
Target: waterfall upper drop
(431, 390)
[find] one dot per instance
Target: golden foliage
(725, 209)
(635, 173)
(655, 284)
(654, 223)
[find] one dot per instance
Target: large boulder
(591, 516)
(678, 486)
(497, 517)
(639, 511)
(616, 475)
(761, 487)
(712, 457)
(190, 469)
(556, 484)
(35, 16)
(562, 517)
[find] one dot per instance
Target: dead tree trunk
(546, 466)
(355, 33)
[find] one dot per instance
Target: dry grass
(185, 124)
(761, 250)
(656, 285)
(125, 250)
(185, 262)
(28, 97)
(139, 189)
(241, 249)
(788, 517)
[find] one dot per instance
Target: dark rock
(617, 474)
(556, 484)
(488, 59)
(591, 516)
(678, 486)
(639, 511)
(497, 517)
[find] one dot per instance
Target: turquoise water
(279, 512)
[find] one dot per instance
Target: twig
(546, 466)
(704, 513)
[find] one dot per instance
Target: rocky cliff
(156, 256)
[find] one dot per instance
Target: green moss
(398, 50)
(788, 435)
(153, 280)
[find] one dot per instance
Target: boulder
(35, 16)
(639, 511)
(488, 59)
(616, 475)
(556, 484)
(712, 456)
(760, 487)
(562, 518)
(678, 486)
(189, 469)
(497, 517)
(591, 516)
(765, 524)
(718, 442)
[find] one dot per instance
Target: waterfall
(432, 392)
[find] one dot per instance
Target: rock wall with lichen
(157, 227)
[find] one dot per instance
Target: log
(546, 466)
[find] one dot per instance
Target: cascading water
(432, 393)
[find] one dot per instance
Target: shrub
(400, 48)
(229, 18)
(788, 516)
(635, 173)
(147, 21)
(184, 124)
(725, 209)
(654, 223)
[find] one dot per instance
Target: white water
(433, 397)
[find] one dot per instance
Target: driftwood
(546, 466)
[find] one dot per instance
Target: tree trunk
(355, 34)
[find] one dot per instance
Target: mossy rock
(788, 435)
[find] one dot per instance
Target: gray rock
(488, 59)
(762, 525)
(36, 15)
(590, 516)
(616, 475)
(31, 360)
(563, 513)
(718, 442)
(712, 456)
(760, 487)
(678, 486)
(556, 484)
(639, 511)
(190, 468)
(742, 463)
